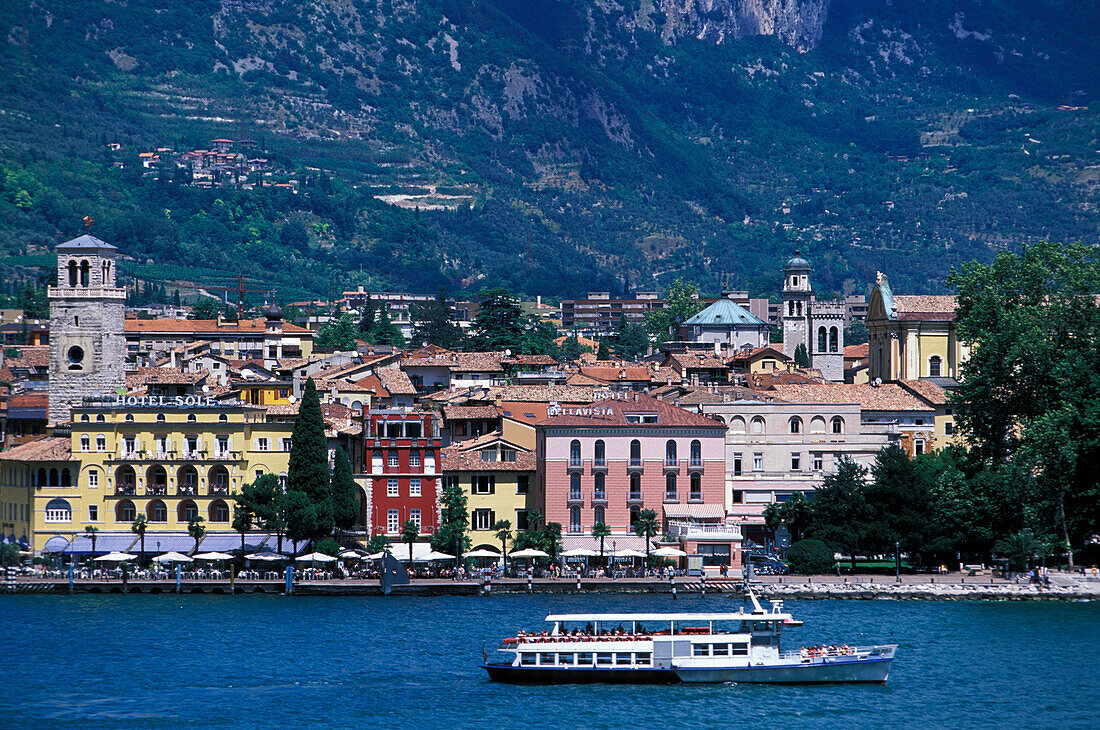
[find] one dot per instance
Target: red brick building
(404, 468)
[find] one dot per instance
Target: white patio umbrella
(352, 554)
(627, 553)
(315, 558)
(434, 555)
(668, 552)
(172, 557)
(377, 556)
(529, 553)
(115, 557)
(579, 553)
(269, 557)
(213, 556)
(481, 553)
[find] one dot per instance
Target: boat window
(642, 657)
(727, 627)
(527, 658)
(565, 658)
(622, 659)
(546, 658)
(604, 659)
(585, 658)
(700, 649)
(739, 649)
(720, 649)
(652, 627)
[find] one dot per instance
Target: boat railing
(836, 652)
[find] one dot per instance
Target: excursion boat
(666, 648)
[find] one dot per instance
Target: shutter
(492, 484)
(492, 518)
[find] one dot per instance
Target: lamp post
(613, 551)
(897, 559)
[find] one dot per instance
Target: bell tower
(798, 297)
(87, 341)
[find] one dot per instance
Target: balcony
(188, 490)
(126, 490)
(635, 496)
(600, 496)
(672, 465)
(635, 463)
(157, 490)
(575, 496)
(696, 463)
(671, 497)
(575, 463)
(678, 530)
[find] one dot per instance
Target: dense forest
(550, 147)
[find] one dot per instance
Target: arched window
(219, 511)
(84, 418)
(125, 511)
(129, 418)
(156, 511)
(393, 459)
(670, 487)
(66, 477)
(821, 339)
(191, 418)
(187, 511)
(41, 481)
(101, 443)
(635, 453)
(125, 480)
(838, 424)
(599, 487)
(574, 519)
(670, 452)
(598, 515)
(934, 364)
(635, 486)
(160, 418)
(796, 424)
(59, 510)
(598, 456)
(696, 453)
(574, 453)
(817, 425)
(85, 443)
(376, 462)
(634, 512)
(84, 269)
(55, 478)
(737, 424)
(72, 273)
(834, 339)
(219, 480)
(156, 480)
(188, 480)
(574, 486)
(757, 425)
(100, 419)
(414, 459)
(696, 488)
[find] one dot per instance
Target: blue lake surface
(273, 662)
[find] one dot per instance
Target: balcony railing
(599, 463)
(157, 490)
(635, 496)
(599, 496)
(574, 495)
(221, 490)
(635, 463)
(575, 463)
(671, 497)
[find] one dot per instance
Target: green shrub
(808, 557)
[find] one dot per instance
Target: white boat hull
(821, 670)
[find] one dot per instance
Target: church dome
(273, 312)
(797, 263)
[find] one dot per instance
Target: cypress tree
(345, 505)
(308, 472)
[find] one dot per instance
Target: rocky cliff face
(798, 23)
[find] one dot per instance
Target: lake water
(272, 662)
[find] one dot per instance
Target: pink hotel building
(607, 461)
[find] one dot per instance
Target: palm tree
(243, 518)
(602, 531)
(196, 530)
(377, 544)
(503, 529)
(1019, 548)
(139, 527)
(409, 532)
(90, 531)
(646, 526)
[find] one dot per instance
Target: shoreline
(946, 588)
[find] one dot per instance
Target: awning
(105, 542)
(612, 542)
(695, 511)
(55, 544)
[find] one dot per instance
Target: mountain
(568, 144)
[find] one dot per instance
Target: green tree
(206, 308)
(602, 353)
(503, 529)
(630, 341)
(265, 501)
(601, 532)
(499, 324)
(308, 472)
(681, 304)
(898, 503)
(196, 530)
(571, 348)
(796, 513)
(410, 531)
(810, 557)
(338, 334)
(840, 513)
(1030, 390)
(648, 527)
(451, 535)
(302, 522)
(139, 526)
(377, 544)
(90, 531)
(856, 333)
(385, 331)
(801, 357)
(433, 323)
(539, 339)
(345, 492)
(243, 518)
(1019, 549)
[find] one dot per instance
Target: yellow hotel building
(168, 458)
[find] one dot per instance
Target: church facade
(816, 325)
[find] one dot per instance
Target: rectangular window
(129, 445)
(508, 455)
(414, 487)
(818, 462)
(261, 444)
(93, 479)
(483, 484)
(527, 659)
(700, 649)
(720, 650)
(450, 481)
(604, 659)
(414, 515)
(565, 658)
(642, 658)
(192, 444)
(737, 465)
(623, 659)
(796, 461)
(739, 649)
(738, 496)
(584, 659)
(259, 473)
(758, 462)
(93, 513)
(392, 488)
(483, 519)
(223, 445)
(523, 483)
(918, 448)
(521, 519)
(546, 658)
(392, 520)
(414, 459)
(286, 444)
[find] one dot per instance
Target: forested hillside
(552, 146)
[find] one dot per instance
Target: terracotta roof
(466, 456)
(857, 352)
(207, 326)
(770, 380)
(614, 412)
(926, 307)
(886, 397)
(613, 373)
(162, 376)
(30, 356)
(707, 360)
(29, 400)
(373, 384)
(543, 393)
(530, 360)
(458, 361)
(48, 448)
(927, 390)
(396, 381)
(461, 413)
(754, 352)
(583, 380)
